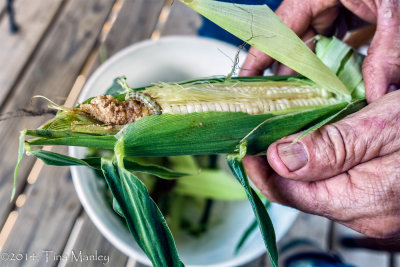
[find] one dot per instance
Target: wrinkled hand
(348, 171)
(381, 67)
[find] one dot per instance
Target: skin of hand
(347, 171)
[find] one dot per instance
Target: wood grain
(90, 242)
(17, 49)
(45, 220)
(182, 20)
(136, 22)
(52, 72)
(3, 10)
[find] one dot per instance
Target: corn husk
(234, 133)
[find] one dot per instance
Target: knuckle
(338, 151)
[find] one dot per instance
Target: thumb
(381, 68)
(336, 148)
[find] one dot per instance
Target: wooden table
(59, 44)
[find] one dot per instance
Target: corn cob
(251, 98)
(211, 121)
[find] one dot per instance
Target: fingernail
(293, 155)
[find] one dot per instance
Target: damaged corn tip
(109, 110)
(145, 100)
(254, 98)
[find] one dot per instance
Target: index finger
(295, 14)
(301, 17)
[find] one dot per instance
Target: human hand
(381, 68)
(348, 171)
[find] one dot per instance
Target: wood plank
(3, 10)
(52, 72)
(136, 21)
(89, 241)
(182, 20)
(45, 220)
(357, 257)
(16, 49)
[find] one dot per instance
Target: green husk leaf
(153, 169)
(331, 51)
(264, 221)
(186, 164)
(175, 213)
(344, 61)
(117, 208)
(203, 133)
(21, 150)
(204, 183)
(260, 27)
(57, 159)
(49, 137)
(350, 108)
(144, 219)
(215, 184)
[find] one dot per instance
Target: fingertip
(249, 72)
(376, 87)
(286, 157)
(256, 63)
(296, 160)
(381, 67)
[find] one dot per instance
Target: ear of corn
(212, 132)
(260, 27)
(192, 131)
(236, 116)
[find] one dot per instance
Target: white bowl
(173, 59)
